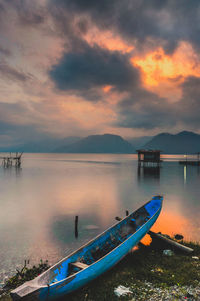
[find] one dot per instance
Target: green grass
(146, 264)
(143, 265)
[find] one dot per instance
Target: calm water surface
(39, 202)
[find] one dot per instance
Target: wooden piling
(76, 226)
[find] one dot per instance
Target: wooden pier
(13, 159)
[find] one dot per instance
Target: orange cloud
(107, 88)
(107, 39)
(162, 73)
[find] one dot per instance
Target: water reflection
(148, 172)
(39, 202)
(62, 229)
(185, 174)
(12, 170)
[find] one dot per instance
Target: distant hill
(44, 146)
(139, 142)
(181, 143)
(106, 143)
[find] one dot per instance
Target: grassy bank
(145, 272)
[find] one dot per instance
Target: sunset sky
(82, 67)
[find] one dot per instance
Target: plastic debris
(195, 257)
(168, 252)
(122, 291)
(157, 270)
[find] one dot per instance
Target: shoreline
(147, 274)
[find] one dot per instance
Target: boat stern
(26, 291)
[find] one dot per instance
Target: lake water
(40, 201)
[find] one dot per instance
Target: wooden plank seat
(79, 265)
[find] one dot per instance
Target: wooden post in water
(76, 226)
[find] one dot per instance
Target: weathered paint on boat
(94, 258)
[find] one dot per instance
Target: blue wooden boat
(94, 258)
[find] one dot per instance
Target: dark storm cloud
(189, 107)
(94, 67)
(8, 72)
(166, 21)
(83, 69)
(151, 23)
(68, 25)
(144, 110)
(153, 112)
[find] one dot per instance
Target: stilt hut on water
(149, 157)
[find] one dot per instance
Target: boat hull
(78, 280)
(100, 267)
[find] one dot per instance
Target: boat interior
(96, 249)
